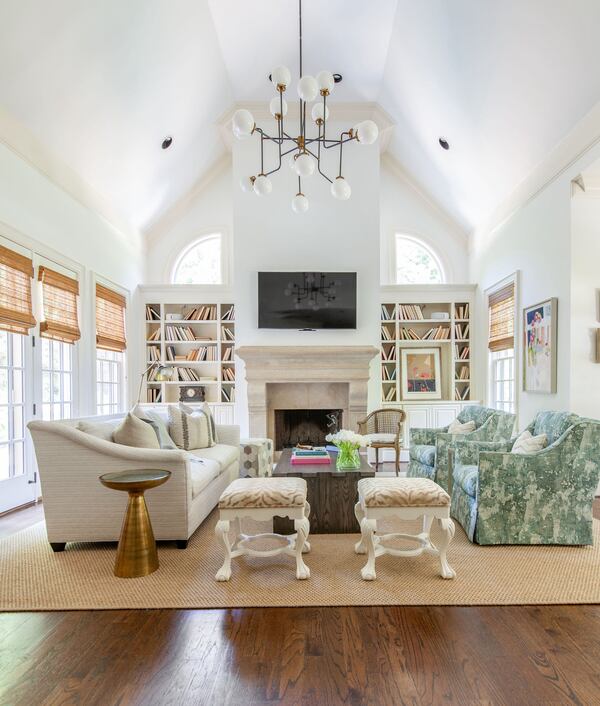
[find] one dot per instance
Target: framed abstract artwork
(539, 346)
(421, 374)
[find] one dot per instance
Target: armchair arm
(466, 451)
(422, 436)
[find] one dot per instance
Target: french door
(17, 474)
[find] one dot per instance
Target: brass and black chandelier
(304, 151)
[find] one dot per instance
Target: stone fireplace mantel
(305, 365)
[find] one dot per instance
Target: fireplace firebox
(305, 426)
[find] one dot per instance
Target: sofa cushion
(457, 427)
(132, 431)
(553, 424)
(188, 431)
(158, 424)
(401, 492)
(381, 438)
(423, 454)
(264, 492)
(102, 430)
(223, 454)
(465, 478)
(202, 473)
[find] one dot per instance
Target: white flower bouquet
(348, 443)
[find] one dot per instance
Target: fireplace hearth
(305, 426)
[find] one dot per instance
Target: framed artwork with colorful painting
(539, 347)
(421, 374)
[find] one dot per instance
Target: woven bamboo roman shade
(59, 294)
(16, 273)
(110, 319)
(502, 318)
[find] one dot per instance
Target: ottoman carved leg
(222, 533)
(447, 526)
(360, 547)
(368, 529)
(302, 528)
(306, 547)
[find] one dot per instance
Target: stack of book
(310, 455)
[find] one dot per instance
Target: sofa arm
(466, 451)
(228, 434)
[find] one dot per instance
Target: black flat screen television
(307, 300)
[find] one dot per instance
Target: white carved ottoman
(257, 457)
(263, 499)
(405, 499)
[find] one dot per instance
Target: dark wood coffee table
(332, 495)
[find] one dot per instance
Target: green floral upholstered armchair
(428, 452)
(539, 498)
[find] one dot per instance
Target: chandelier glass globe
(292, 161)
(276, 106)
(340, 189)
(243, 123)
(299, 203)
(308, 88)
(325, 81)
(246, 184)
(305, 165)
(262, 185)
(317, 112)
(281, 76)
(367, 132)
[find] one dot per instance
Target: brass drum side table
(136, 554)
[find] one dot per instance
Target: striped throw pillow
(188, 431)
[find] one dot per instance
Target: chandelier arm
(319, 167)
(262, 154)
(324, 115)
(340, 141)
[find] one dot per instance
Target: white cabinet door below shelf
(443, 415)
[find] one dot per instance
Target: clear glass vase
(348, 457)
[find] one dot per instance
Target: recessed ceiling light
(444, 143)
(167, 142)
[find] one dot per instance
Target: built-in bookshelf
(446, 325)
(197, 341)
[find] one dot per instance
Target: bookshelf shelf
(445, 325)
(197, 340)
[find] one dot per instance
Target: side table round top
(135, 480)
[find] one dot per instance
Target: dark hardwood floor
(526, 655)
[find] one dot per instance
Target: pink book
(309, 460)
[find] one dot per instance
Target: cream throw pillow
(189, 431)
(528, 444)
(457, 428)
(132, 431)
(203, 409)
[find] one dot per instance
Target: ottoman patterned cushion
(264, 492)
(402, 492)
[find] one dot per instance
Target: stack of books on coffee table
(310, 455)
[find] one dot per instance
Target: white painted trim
(167, 220)
(389, 162)
(22, 142)
(574, 146)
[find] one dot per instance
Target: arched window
(416, 263)
(200, 263)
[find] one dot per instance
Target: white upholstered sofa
(78, 508)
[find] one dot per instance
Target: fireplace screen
(305, 426)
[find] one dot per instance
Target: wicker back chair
(384, 429)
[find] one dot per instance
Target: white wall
(406, 210)
(585, 303)
(34, 211)
(536, 241)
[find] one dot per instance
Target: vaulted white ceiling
(101, 83)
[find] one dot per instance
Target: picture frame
(421, 377)
(540, 327)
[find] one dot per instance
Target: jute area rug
(32, 577)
